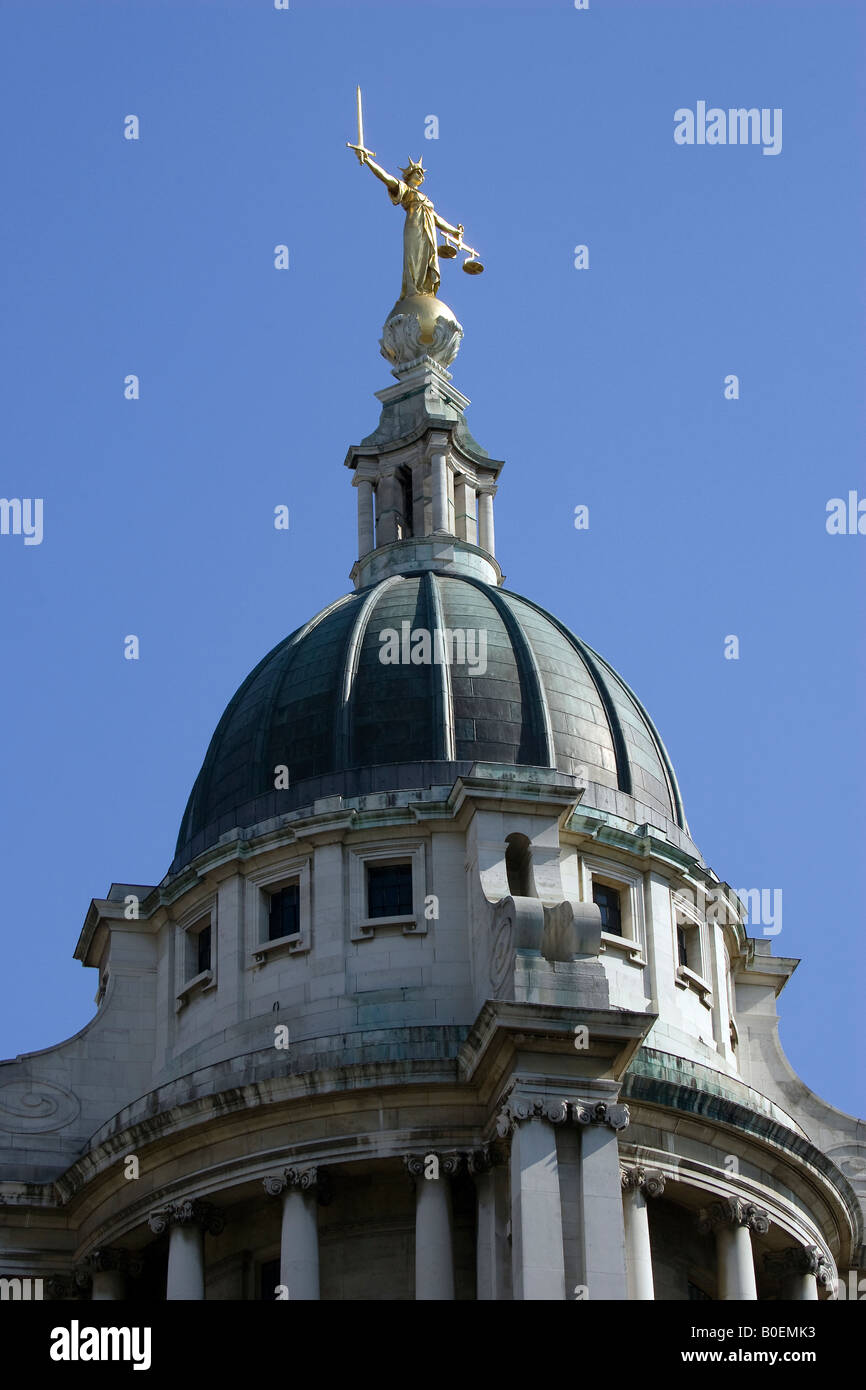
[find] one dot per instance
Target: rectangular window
(607, 900)
(202, 944)
(682, 947)
(389, 890)
(284, 912)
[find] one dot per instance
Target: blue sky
(602, 387)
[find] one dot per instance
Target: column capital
(646, 1180)
(557, 1110)
(488, 1156)
(448, 1162)
(800, 1259)
(615, 1116)
(107, 1259)
(65, 1287)
(313, 1179)
(734, 1211)
(188, 1212)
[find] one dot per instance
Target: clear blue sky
(603, 387)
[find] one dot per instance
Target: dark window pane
(682, 947)
(203, 949)
(607, 900)
(389, 890)
(269, 1280)
(284, 917)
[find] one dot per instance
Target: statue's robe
(420, 261)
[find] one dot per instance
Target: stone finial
(189, 1211)
(734, 1211)
(648, 1181)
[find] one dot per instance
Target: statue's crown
(413, 167)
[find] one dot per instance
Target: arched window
(518, 866)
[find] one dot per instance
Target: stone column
(366, 529)
(186, 1222)
(601, 1215)
(440, 493)
(434, 1241)
(300, 1189)
(732, 1220)
(492, 1256)
(800, 1269)
(105, 1272)
(485, 522)
(638, 1184)
(464, 508)
(538, 1264)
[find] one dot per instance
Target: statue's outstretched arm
(388, 179)
(446, 226)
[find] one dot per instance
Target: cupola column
(366, 529)
(638, 1184)
(439, 462)
(434, 1240)
(485, 522)
(186, 1222)
(299, 1231)
(732, 1221)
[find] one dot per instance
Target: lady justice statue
(438, 333)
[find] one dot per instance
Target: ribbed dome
(325, 705)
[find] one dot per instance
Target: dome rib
(343, 727)
(529, 675)
(443, 695)
(620, 747)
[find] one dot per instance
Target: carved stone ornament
(800, 1259)
(448, 1163)
(601, 1112)
(189, 1211)
(735, 1211)
(645, 1180)
(401, 341)
(108, 1258)
(308, 1179)
(519, 1108)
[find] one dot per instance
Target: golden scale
(452, 246)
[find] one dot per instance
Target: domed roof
(326, 704)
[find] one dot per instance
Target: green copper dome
(326, 706)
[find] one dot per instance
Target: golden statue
(420, 250)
